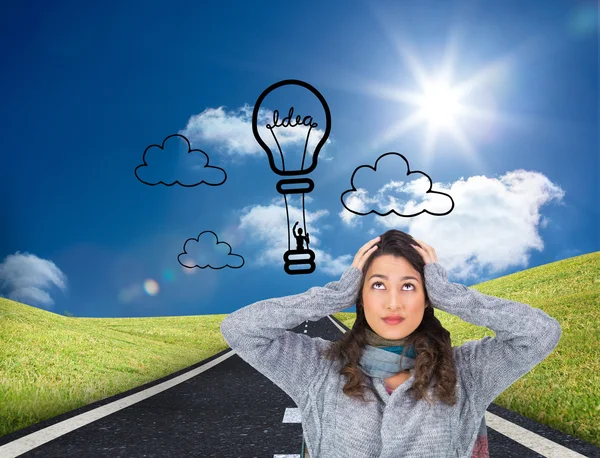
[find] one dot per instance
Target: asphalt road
(223, 408)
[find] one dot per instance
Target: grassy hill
(51, 364)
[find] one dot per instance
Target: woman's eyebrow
(385, 277)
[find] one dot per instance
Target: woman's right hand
(364, 252)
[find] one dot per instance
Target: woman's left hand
(427, 252)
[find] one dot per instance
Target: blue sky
(87, 88)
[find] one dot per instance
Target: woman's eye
(405, 284)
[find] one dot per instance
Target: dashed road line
(291, 415)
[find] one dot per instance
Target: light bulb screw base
(310, 185)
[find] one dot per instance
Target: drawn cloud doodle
(206, 251)
(393, 194)
(174, 162)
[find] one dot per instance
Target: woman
(392, 389)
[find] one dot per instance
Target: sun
(440, 105)
(445, 107)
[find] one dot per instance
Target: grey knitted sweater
(393, 426)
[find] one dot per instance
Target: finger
(366, 249)
(424, 252)
(425, 247)
(376, 239)
(368, 253)
(429, 250)
(360, 261)
(422, 243)
(367, 246)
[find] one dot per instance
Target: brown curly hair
(431, 340)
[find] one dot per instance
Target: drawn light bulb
(302, 185)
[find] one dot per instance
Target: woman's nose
(394, 300)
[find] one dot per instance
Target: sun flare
(462, 110)
(440, 105)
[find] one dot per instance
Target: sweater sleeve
(258, 333)
(525, 336)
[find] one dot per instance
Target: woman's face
(393, 287)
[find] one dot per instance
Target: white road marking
(533, 441)
(33, 440)
(292, 415)
(529, 439)
(336, 325)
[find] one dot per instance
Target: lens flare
(188, 270)
(151, 287)
(169, 275)
(130, 293)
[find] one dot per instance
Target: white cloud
(207, 250)
(266, 227)
(231, 132)
(24, 278)
(407, 197)
(493, 226)
(359, 202)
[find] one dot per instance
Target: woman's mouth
(393, 320)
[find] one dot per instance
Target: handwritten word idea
(289, 122)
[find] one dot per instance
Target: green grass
(51, 364)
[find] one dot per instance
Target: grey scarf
(383, 357)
